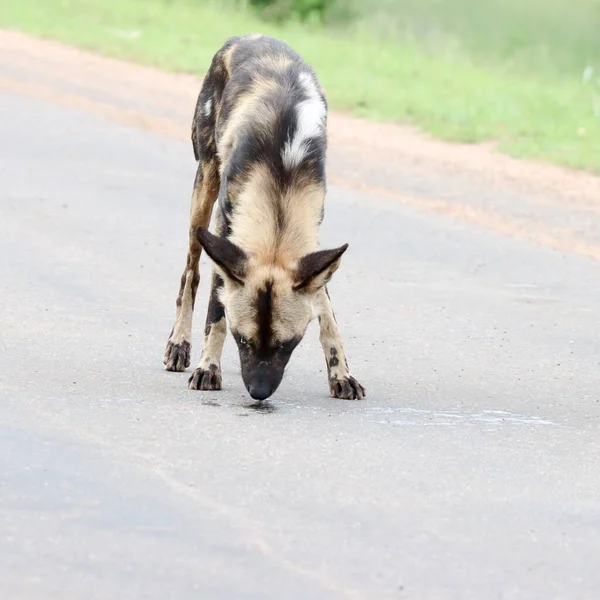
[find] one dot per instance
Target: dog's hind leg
(206, 189)
(341, 383)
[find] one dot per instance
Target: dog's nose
(260, 388)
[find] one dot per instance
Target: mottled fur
(259, 136)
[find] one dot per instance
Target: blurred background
(522, 74)
(549, 35)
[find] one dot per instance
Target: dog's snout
(260, 388)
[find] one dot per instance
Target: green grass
(502, 70)
(556, 37)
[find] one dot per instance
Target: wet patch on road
(209, 403)
(260, 407)
(415, 416)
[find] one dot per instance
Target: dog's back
(264, 114)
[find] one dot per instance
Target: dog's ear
(228, 257)
(315, 269)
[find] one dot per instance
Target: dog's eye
(244, 342)
(287, 346)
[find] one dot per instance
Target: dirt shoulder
(552, 206)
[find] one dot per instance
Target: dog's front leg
(341, 383)
(207, 376)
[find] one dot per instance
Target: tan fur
(255, 220)
(292, 310)
(247, 107)
(226, 58)
(183, 317)
(277, 62)
(330, 336)
(213, 345)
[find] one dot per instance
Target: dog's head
(268, 307)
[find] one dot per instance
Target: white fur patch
(208, 107)
(310, 124)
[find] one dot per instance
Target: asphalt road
(470, 471)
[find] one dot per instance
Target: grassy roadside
(546, 115)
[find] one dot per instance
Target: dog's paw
(346, 388)
(206, 379)
(177, 356)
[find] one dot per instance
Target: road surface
(470, 471)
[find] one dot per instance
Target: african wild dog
(259, 136)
